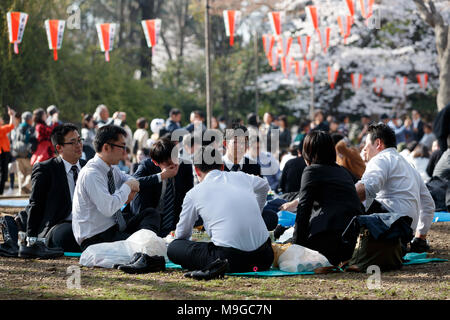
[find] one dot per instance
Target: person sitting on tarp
(230, 204)
(391, 184)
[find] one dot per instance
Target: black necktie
(118, 214)
(75, 174)
(167, 219)
(235, 167)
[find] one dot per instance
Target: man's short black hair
(161, 150)
(318, 148)
(174, 111)
(384, 133)
(208, 158)
(59, 132)
(107, 134)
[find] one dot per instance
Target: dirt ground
(52, 279)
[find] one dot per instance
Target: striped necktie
(118, 216)
(167, 219)
(75, 174)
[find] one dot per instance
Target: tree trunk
(442, 31)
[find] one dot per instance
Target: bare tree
(442, 31)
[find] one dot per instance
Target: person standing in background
(45, 149)
(5, 147)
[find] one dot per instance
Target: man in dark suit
(417, 125)
(236, 143)
(291, 176)
(163, 185)
(49, 212)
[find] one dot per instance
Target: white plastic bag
(287, 234)
(120, 252)
(300, 259)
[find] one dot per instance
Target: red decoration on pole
(106, 33)
(332, 76)
(356, 80)
(304, 42)
(351, 7)
(345, 26)
(231, 19)
(366, 8)
(16, 26)
(151, 29)
(284, 44)
(311, 12)
(300, 68)
(324, 38)
(312, 67)
(422, 78)
(55, 33)
(377, 85)
(275, 19)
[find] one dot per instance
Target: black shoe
(145, 264)
(214, 270)
(134, 258)
(39, 250)
(278, 231)
(9, 249)
(419, 245)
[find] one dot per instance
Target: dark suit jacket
(328, 201)
(291, 176)
(50, 202)
(248, 167)
(150, 187)
(419, 134)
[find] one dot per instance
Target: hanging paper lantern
(268, 43)
(273, 58)
(152, 29)
(324, 38)
(356, 80)
(366, 8)
(284, 44)
(275, 19)
(312, 67)
(16, 26)
(286, 65)
(55, 33)
(106, 33)
(300, 68)
(311, 12)
(377, 85)
(351, 7)
(231, 19)
(401, 84)
(345, 26)
(304, 42)
(333, 74)
(422, 78)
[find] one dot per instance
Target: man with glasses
(50, 208)
(102, 191)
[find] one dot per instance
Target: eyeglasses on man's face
(124, 147)
(74, 141)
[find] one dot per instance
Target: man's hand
(289, 206)
(361, 191)
(133, 184)
(11, 112)
(131, 196)
(170, 171)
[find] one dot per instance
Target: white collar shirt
(68, 167)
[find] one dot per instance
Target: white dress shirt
(230, 204)
(68, 166)
(93, 207)
(393, 182)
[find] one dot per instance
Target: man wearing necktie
(47, 218)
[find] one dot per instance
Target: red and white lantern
(366, 8)
(152, 28)
(16, 26)
(324, 38)
(333, 74)
(276, 19)
(304, 42)
(311, 12)
(106, 33)
(286, 65)
(273, 58)
(422, 78)
(356, 80)
(284, 43)
(268, 43)
(55, 33)
(351, 7)
(312, 67)
(378, 85)
(401, 84)
(300, 68)
(231, 19)
(345, 26)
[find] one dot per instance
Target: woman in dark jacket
(327, 201)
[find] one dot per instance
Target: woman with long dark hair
(45, 149)
(327, 201)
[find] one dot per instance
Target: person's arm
(260, 188)
(372, 181)
(305, 204)
(427, 208)
(40, 184)
(188, 217)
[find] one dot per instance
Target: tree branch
(424, 12)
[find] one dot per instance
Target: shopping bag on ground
(300, 259)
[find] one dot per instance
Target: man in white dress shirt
(391, 184)
(230, 204)
(101, 192)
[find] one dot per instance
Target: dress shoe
(145, 264)
(215, 269)
(39, 250)
(9, 249)
(134, 258)
(419, 245)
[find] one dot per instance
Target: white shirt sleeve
(427, 208)
(260, 188)
(374, 178)
(188, 217)
(98, 192)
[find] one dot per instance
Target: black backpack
(19, 147)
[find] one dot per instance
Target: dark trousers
(193, 255)
(331, 245)
(270, 211)
(5, 157)
(61, 236)
(146, 219)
